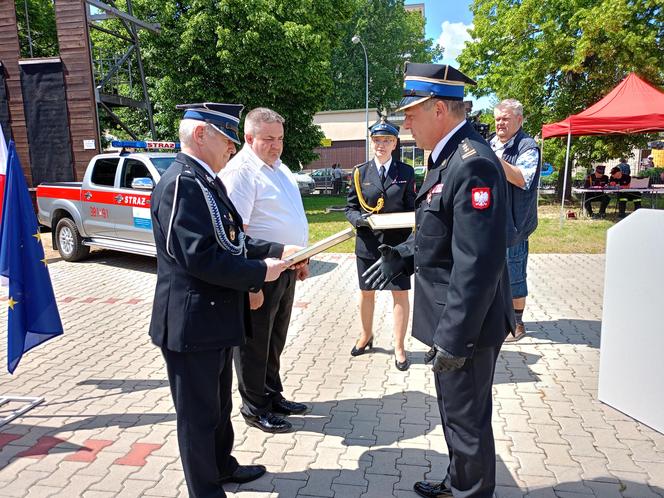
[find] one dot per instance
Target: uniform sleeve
(528, 162)
(353, 209)
(407, 253)
(241, 187)
(478, 252)
(191, 240)
(261, 249)
(410, 193)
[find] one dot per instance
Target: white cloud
(452, 38)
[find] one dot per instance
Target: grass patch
(323, 224)
(582, 235)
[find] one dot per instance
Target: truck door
(133, 222)
(98, 198)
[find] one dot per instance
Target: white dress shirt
(387, 165)
(443, 142)
(267, 198)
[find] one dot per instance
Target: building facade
(346, 138)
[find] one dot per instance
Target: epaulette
(187, 171)
(467, 150)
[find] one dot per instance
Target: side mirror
(142, 184)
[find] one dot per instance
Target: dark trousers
(603, 200)
(201, 388)
(336, 186)
(464, 400)
(628, 196)
(257, 362)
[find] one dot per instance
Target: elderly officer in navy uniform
(205, 268)
(462, 303)
(381, 185)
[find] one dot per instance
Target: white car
(305, 183)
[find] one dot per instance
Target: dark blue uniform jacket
(201, 300)
(398, 191)
(462, 295)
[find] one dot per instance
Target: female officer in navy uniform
(381, 185)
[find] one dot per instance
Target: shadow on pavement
(135, 262)
(564, 331)
(124, 385)
(514, 366)
(49, 443)
(393, 471)
(371, 421)
(318, 268)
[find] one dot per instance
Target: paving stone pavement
(107, 427)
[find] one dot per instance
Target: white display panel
(631, 371)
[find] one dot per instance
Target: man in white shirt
(266, 195)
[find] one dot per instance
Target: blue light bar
(146, 144)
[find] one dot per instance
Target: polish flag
(3, 174)
(3, 168)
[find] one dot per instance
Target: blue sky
(447, 24)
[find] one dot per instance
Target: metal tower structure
(108, 73)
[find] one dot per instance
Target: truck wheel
(70, 242)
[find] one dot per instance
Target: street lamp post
(356, 39)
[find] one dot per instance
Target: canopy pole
(541, 165)
(562, 203)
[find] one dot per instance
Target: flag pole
(27, 403)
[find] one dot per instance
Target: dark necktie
(430, 162)
(381, 172)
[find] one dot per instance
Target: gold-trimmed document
(321, 246)
(387, 221)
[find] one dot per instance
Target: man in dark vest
(520, 158)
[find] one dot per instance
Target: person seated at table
(596, 180)
(618, 178)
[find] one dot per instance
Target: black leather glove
(362, 221)
(387, 268)
(443, 361)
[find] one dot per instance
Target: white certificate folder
(388, 221)
(321, 246)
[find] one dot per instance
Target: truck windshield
(162, 163)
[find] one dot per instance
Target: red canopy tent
(634, 106)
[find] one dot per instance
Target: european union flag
(33, 314)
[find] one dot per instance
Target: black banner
(46, 119)
(4, 106)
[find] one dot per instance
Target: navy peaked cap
(425, 81)
(225, 118)
(384, 127)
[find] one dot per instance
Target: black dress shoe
(402, 365)
(285, 407)
(430, 489)
(269, 423)
(244, 473)
(358, 351)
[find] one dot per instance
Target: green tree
(391, 36)
(42, 35)
(273, 53)
(560, 56)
